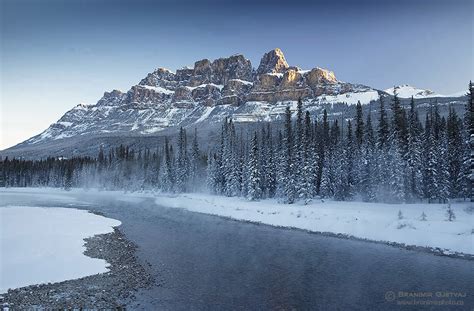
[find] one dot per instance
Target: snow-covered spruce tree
(350, 171)
(226, 160)
(359, 126)
(382, 176)
(233, 168)
(307, 177)
(289, 178)
(263, 160)
(244, 167)
(167, 180)
(357, 147)
(430, 173)
(399, 125)
(281, 166)
(344, 171)
(194, 160)
(331, 169)
(442, 163)
(397, 172)
(270, 164)
(182, 163)
(368, 168)
(454, 154)
(414, 160)
(212, 179)
(254, 189)
(298, 148)
(321, 144)
(383, 130)
(399, 136)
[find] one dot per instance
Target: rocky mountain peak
(273, 62)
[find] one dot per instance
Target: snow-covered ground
(41, 245)
(372, 221)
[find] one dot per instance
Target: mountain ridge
(207, 93)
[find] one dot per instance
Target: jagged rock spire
(273, 62)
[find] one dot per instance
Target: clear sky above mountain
(57, 53)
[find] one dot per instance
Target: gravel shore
(106, 291)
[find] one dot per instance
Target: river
(203, 262)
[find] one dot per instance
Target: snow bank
(41, 245)
(372, 221)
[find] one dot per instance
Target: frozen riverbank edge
(104, 291)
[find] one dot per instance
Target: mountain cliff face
(206, 94)
(212, 90)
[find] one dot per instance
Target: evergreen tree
(194, 162)
(289, 180)
(414, 161)
(383, 128)
(254, 189)
(359, 132)
(368, 168)
(182, 164)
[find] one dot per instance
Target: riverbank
(401, 225)
(110, 290)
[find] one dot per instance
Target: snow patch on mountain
(158, 89)
(407, 91)
(350, 98)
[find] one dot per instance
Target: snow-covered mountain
(203, 96)
(407, 91)
(212, 90)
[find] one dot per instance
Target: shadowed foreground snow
(372, 221)
(41, 245)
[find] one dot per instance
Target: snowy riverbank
(46, 245)
(371, 221)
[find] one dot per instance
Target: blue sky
(56, 54)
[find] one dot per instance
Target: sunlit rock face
(273, 62)
(292, 79)
(208, 92)
(317, 76)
